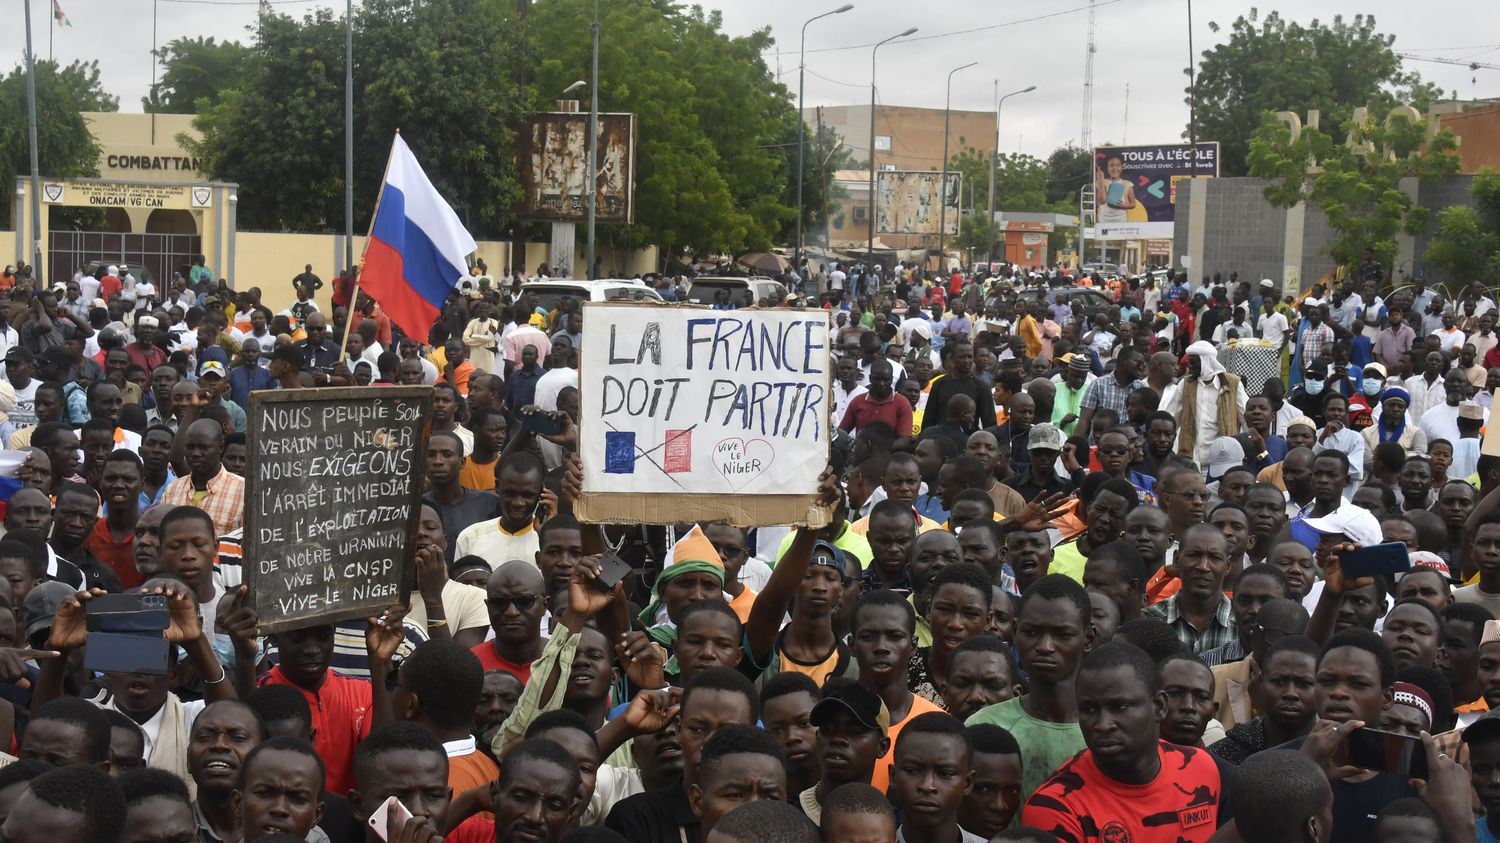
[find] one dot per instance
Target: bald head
(517, 574)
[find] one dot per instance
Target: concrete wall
(1435, 197)
(1238, 230)
(269, 260)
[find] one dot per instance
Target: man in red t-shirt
(1128, 784)
(343, 709)
(513, 597)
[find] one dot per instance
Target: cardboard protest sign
(332, 500)
(693, 414)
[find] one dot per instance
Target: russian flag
(418, 248)
(10, 483)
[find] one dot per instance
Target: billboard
(909, 202)
(554, 168)
(1136, 187)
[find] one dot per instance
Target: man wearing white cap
(143, 352)
(1349, 524)
(1208, 403)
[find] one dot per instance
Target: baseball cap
(19, 353)
(1358, 524)
(1225, 453)
(1486, 726)
(856, 699)
(41, 605)
(1045, 437)
(834, 558)
(1427, 559)
(211, 367)
(1379, 367)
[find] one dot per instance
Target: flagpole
(369, 235)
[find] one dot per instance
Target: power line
(990, 27)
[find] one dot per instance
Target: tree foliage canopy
(1356, 183)
(65, 147)
(715, 132)
(439, 72)
(1467, 243)
(195, 69)
(1279, 65)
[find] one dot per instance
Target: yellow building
(160, 211)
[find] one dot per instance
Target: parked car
(703, 290)
(1092, 298)
(611, 289)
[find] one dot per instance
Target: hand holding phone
(388, 819)
(1375, 560)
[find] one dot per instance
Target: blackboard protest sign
(694, 414)
(332, 501)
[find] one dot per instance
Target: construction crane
(1088, 86)
(1472, 65)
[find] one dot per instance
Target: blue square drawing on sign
(619, 452)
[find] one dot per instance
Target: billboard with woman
(1136, 187)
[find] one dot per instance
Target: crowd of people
(1084, 579)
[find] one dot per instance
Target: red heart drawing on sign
(740, 460)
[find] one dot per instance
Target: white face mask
(1313, 387)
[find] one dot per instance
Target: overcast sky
(1142, 44)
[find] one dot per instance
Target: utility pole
(943, 190)
(349, 137)
(801, 78)
(36, 175)
(870, 246)
(594, 140)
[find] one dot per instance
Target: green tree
(1356, 183)
(194, 70)
(715, 132)
(1467, 243)
(1021, 181)
(65, 147)
(1279, 65)
(1069, 168)
(441, 73)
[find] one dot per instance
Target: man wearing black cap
(852, 724)
(20, 364)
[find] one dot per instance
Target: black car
(1092, 298)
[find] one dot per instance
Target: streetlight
(571, 88)
(989, 250)
(870, 246)
(943, 191)
(801, 76)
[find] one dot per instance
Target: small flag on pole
(418, 248)
(58, 16)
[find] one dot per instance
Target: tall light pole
(36, 177)
(349, 137)
(943, 190)
(593, 140)
(989, 251)
(870, 246)
(801, 77)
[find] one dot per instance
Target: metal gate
(160, 254)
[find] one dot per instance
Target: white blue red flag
(418, 249)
